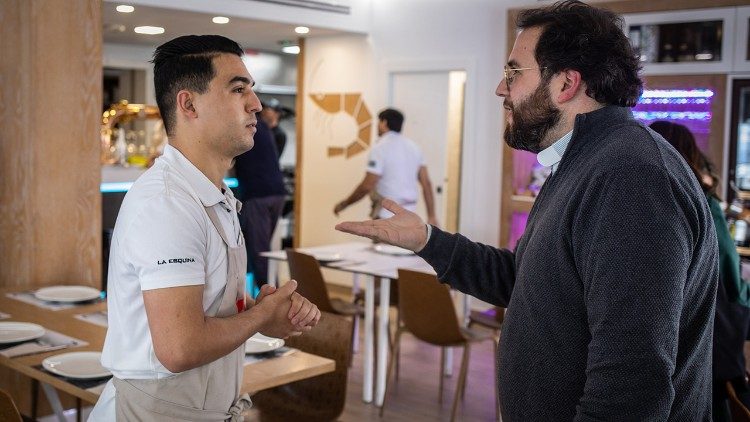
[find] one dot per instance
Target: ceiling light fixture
(290, 49)
(220, 19)
(302, 30)
(148, 30)
(124, 8)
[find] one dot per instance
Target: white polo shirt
(396, 159)
(162, 238)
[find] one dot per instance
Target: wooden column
(50, 109)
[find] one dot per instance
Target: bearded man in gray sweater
(610, 291)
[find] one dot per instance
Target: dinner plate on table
(328, 257)
(391, 250)
(15, 332)
(77, 365)
(67, 293)
(262, 344)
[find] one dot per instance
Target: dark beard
(532, 119)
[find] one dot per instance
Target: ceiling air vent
(327, 6)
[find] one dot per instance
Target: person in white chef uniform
(178, 312)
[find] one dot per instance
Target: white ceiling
(249, 33)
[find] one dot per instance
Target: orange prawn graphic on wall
(351, 104)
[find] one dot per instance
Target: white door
(432, 103)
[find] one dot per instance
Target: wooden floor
(415, 396)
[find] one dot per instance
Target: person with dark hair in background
(262, 190)
(732, 318)
(178, 315)
(272, 114)
(610, 291)
(394, 168)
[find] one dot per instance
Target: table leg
(369, 337)
(273, 272)
(355, 290)
(448, 369)
(383, 333)
(54, 400)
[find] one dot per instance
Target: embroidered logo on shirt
(175, 261)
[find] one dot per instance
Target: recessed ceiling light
(148, 30)
(302, 30)
(220, 19)
(124, 8)
(290, 49)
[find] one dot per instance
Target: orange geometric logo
(354, 106)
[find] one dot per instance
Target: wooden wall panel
(50, 101)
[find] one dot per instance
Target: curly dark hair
(590, 40)
(186, 63)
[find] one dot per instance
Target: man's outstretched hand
(404, 229)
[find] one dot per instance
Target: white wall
(333, 65)
(415, 35)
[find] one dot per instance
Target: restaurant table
(258, 376)
(360, 259)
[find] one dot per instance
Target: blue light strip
(121, 187)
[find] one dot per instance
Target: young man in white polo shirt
(394, 167)
(178, 314)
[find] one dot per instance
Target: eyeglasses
(510, 73)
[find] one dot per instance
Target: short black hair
(590, 40)
(393, 119)
(186, 63)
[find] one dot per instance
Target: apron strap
(234, 291)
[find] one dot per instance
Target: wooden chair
(427, 311)
(310, 284)
(491, 319)
(8, 410)
(321, 398)
(740, 413)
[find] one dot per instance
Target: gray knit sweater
(610, 291)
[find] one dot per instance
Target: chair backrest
(310, 283)
(740, 413)
(427, 308)
(8, 410)
(320, 398)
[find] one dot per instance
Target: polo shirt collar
(206, 191)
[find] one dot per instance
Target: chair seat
(487, 318)
(342, 307)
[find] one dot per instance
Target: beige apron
(207, 393)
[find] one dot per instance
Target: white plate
(78, 365)
(391, 250)
(262, 344)
(67, 293)
(14, 332)
(328, 257)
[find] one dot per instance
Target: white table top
(360, 258)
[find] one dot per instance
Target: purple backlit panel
(688, 107)
(517, 226)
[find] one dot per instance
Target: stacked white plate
(391, 250)
(14, 332)
(77, 365)
(262, 344)
(67, 293)
(328, 257)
